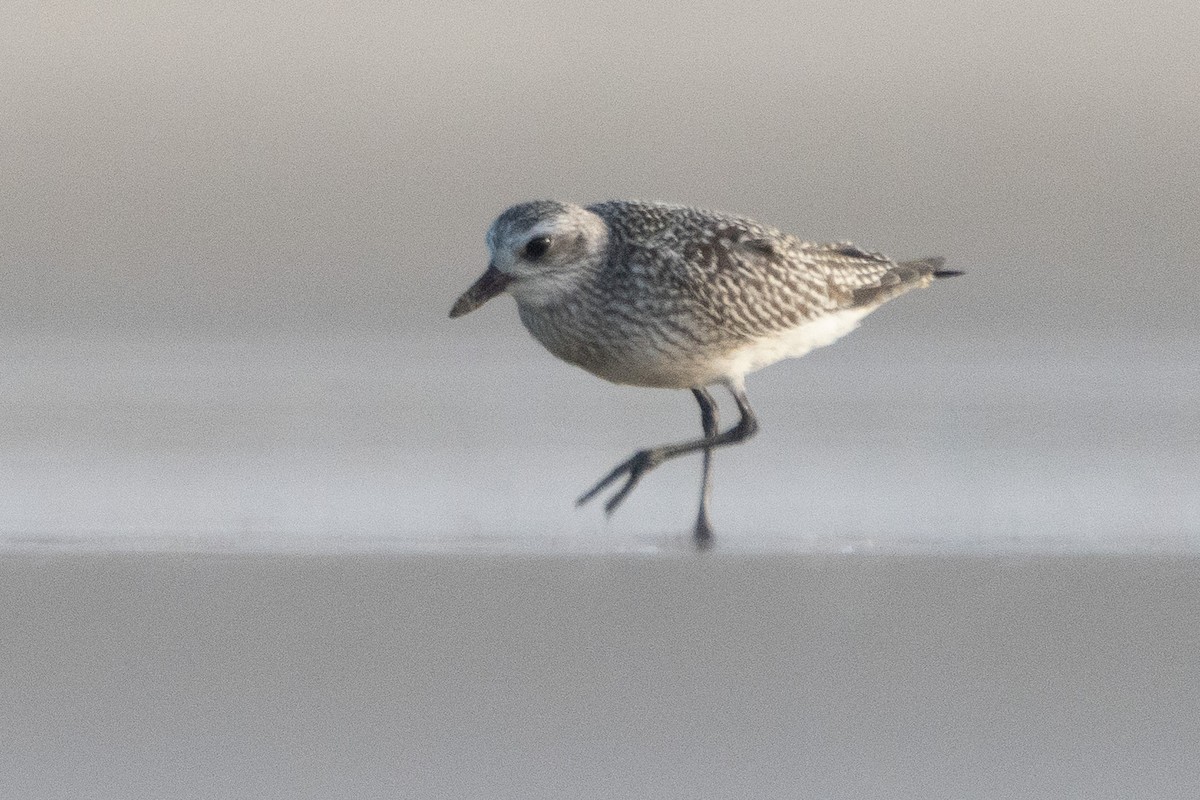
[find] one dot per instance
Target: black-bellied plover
(672, 297)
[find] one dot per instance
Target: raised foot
(702, 535)
(635, 467)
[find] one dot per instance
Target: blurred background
(230, 235)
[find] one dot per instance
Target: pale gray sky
(180, 167)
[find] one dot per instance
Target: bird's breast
(623, 348)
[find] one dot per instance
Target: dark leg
(643, 461)
(708, 421)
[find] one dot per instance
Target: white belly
(660, 363)
(792, 343)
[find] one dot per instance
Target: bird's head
(539, 252)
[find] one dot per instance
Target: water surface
(467, 441)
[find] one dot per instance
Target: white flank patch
(796, 342)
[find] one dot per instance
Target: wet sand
(722, 675)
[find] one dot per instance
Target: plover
(672, 297)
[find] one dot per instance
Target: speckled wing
(722, 278)
(739, 278)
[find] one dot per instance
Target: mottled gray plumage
(668, 296)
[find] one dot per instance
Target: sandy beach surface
(134, 675)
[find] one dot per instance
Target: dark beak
(490, 283)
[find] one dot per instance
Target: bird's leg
(643, 461)
(708, 421)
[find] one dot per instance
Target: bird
(669, 296)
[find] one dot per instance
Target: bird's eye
(536, 247)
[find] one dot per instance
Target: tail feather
(903, 277)
(931, 264)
